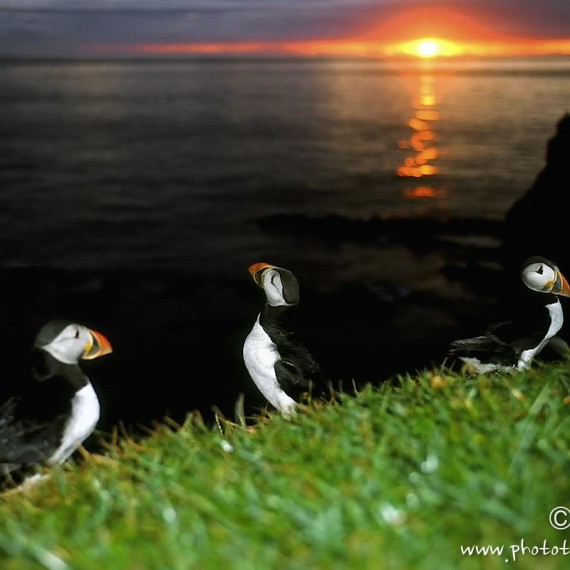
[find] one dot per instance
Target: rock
(537, 224)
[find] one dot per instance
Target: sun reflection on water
(422, 152)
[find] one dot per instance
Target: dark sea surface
(136, 193)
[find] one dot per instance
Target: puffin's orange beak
(98, 345)
(255, 270)
(560, 286)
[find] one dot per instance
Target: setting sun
(428, 48)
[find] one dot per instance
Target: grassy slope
(396, 478)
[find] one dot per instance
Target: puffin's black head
(540, 274)
(68, 342)
(280, 285)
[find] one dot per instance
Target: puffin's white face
(77, 341)
(539, 276)
(542, 275)
(280, 285)
(273, 286)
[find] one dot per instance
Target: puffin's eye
(77, 333)
(540, 270)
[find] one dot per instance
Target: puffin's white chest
(556, 322)
(260, 355)
(84, 416)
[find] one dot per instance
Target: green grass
(398, 477)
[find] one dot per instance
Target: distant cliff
(539, 223)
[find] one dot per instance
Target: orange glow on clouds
(208, 48)
(426, 32)
(355, 48)
(445, 48)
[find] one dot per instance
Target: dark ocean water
(132, 194)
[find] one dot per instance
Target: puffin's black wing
(288, 374)
(33, 418)
(486, 348)
(296, 367)
(524, 327)
(26, 440)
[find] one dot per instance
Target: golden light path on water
(421, 151)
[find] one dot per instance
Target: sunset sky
(384, 28)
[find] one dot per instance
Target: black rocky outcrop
(539, 222)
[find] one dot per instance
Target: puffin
(277, 362)
(53, 408)
(512, 344)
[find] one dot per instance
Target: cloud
(83, 26)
